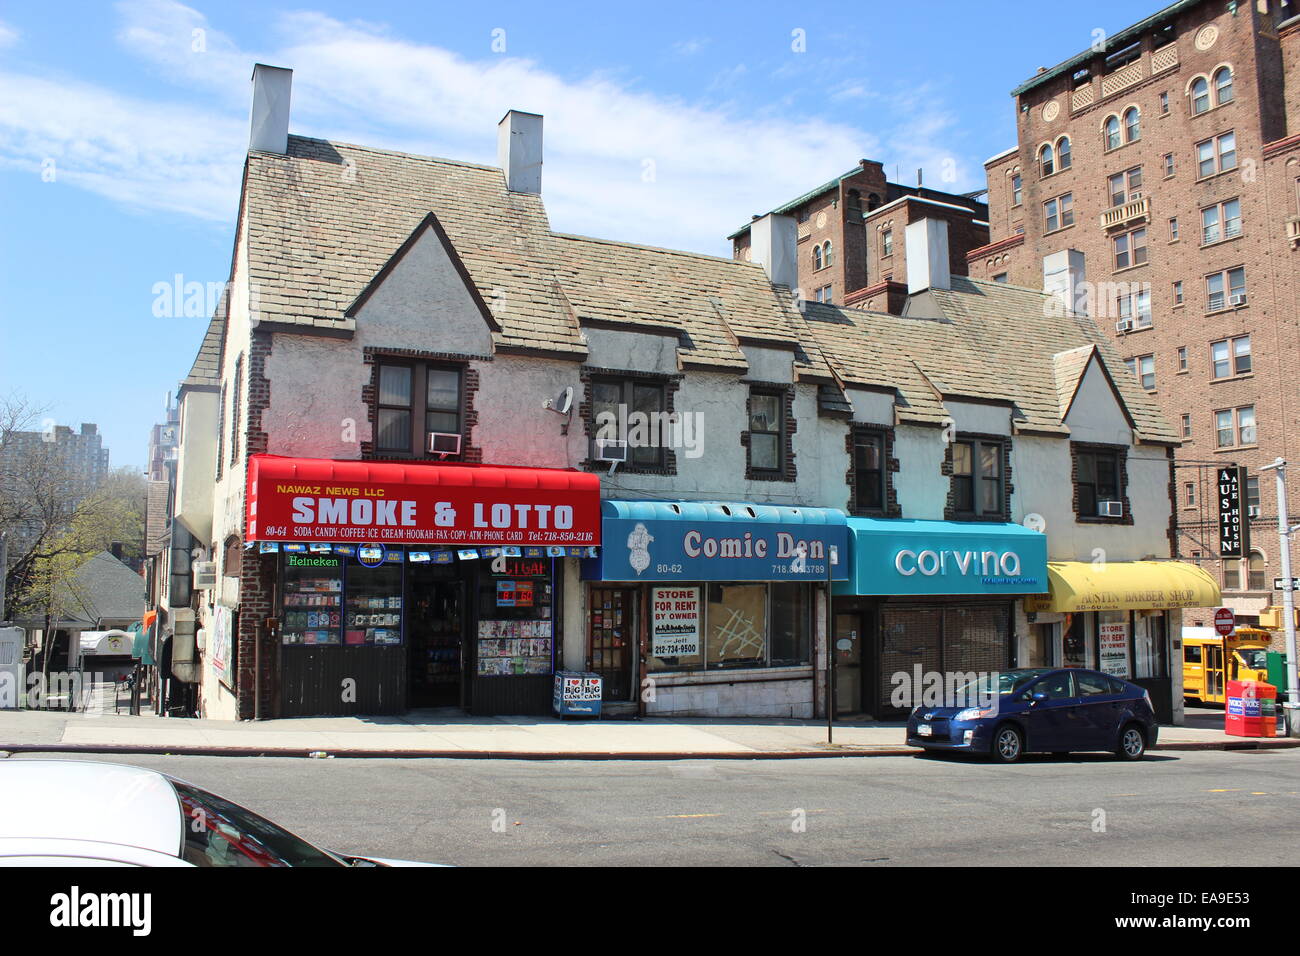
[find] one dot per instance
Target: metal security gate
(939, 639)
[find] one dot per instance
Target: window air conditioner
(205, 575)
(1124, 325)
(608, 449)
(444, 443)
(1110, 509)
(1238, 300)
(1252, 511)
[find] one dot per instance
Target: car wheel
(1008, 744)
(1132, 743)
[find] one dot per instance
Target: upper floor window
(1016, 186)
(978, 482)
(1257, 580)
(817, 256)
(1098, 478)
(1221, 221)
(1225, 289)
(766, 431)
(1223, 86)
(235, 405)
(1063, 153)
(1046, 160)
(1216, 155)
(1234, 427)
(887, 242)
(1125, 186)
(824, 294)
(1135, 306)
(412, 402)
(869, 471)
(1130, 249)
(1169, 165)
(1112, 132)
(822, 255)
(645, 446)
(1132, 125)
(1059, 212)
(1200, 95)
(1164, 104)
(1231, 356)
(1144, 367)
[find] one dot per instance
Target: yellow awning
(1123, 585)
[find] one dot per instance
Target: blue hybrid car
(1057, 710)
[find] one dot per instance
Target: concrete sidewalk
(453, 734)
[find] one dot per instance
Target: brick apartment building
(1166, 167)
(850, 235)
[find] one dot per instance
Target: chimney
(269, 119)
(1064, 278)
(772, 242)
(926, 242)
(519, 151)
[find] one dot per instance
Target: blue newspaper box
(577, 694)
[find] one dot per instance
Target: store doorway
(848, 664)
(435, 637)
(613, 644)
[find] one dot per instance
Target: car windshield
(1255, 658)
(221, 833)
(1000, 683)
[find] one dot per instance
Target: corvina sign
(318, 500)
(901, 557)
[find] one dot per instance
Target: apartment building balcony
(1138, 210)
(1165, 58)
(1122, 79)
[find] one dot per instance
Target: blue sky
(123, 125)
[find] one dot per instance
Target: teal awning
(895, 556)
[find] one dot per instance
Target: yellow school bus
(1210, 661)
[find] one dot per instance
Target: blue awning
(717, 541)
(895, 556)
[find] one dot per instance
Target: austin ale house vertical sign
(1234, 531)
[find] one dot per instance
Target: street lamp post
(1292, 707)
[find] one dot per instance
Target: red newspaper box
(1251, 710)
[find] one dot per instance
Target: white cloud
(620, 163)
(8, 35)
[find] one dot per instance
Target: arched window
(873, 201)
(1200, 95)
(1112, 132)
(1132, 129)
(1257, 580)
(1045, 160)
(817, 257)
(1223, 86)
(1063, 152)
(826, 253)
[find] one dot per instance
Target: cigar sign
(301, 499)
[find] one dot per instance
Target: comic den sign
(302, 499)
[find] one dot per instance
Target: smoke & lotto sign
(313, 500)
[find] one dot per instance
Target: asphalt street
(1184, 809)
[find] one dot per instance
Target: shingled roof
(992, 342)
(325, 217)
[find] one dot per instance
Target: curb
(361, 753)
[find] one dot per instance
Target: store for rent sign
(1112, 639)
(399, 503)
(675, 622)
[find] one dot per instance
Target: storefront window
(1149, 644)
(737, 625)
(313, 599)
(1076, 642)
(514, 628)
(1112, 637)
(791, 633)
(374, 605)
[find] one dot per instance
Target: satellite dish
(561, 403)
(1035, 522)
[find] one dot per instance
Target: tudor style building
(441, 453)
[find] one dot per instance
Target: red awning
(325, 500)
